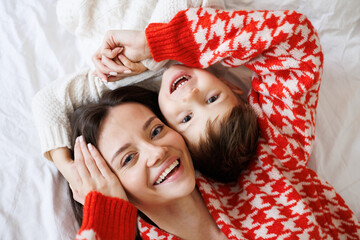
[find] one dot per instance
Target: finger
(79, 161)
(113, 65)
(117, 78)
(89, 161)
(117, 61)
(100, 162)
(111, 53)
(101, 75)
(127, 63)
(102, 70)
(97, 74)
(136, 67)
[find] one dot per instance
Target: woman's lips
(166, 168)
(168, 172)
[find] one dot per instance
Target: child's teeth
(186, 77)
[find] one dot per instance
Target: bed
(36, 49)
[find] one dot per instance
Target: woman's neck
(187, 218)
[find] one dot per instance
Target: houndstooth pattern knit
(278, 196)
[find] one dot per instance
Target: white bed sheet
(35, 50)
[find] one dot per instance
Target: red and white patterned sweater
(277, 196)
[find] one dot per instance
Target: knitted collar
(217, 197)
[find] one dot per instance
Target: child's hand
(93, 174)
(112, 70)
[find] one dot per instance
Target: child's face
(190, 97)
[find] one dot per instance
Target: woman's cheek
(175, 137)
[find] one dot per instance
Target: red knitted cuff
(173, 40)
(110, 218)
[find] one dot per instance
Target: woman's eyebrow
(147, 123)
(119, 151)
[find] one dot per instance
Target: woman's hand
(93, 174)
(132, 44)
(116, 69)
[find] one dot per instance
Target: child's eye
(157, 130)
(187, 118)
(128, 158)
(212, 99)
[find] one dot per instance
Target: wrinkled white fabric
(36, 49)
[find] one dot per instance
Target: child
(220, 131)
(277, 196)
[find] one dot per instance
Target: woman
(277, 194)
(151, 161)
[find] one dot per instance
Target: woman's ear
(233, 87)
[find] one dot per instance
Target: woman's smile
(170, 172)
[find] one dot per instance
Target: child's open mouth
(179, 82)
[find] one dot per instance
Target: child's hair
(86, 121)
(223, 154)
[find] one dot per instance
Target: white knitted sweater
(89, 20)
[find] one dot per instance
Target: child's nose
(192, 93)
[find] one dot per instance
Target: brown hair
(86, 121)
(223, 154)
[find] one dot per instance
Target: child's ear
(232, 86)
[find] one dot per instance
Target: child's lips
(177, 80)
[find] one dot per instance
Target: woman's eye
(156, 131)
(187, 118)
(212, 99)
(128, 159)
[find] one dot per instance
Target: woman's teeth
(179, 82)
(167, 171)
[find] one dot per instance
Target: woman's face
(150, 159)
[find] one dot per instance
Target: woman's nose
(190, 95)
(155, 154)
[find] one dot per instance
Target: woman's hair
(87, 119)
(223, 154)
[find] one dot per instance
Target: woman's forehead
(127, 111)
(124, 123)
(126, 118)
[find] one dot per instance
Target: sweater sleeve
(282, 49)
(107, 218)
(53, 105)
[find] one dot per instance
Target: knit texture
(277, 196)
(88, 20)
(53, 105)
(107, 218)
